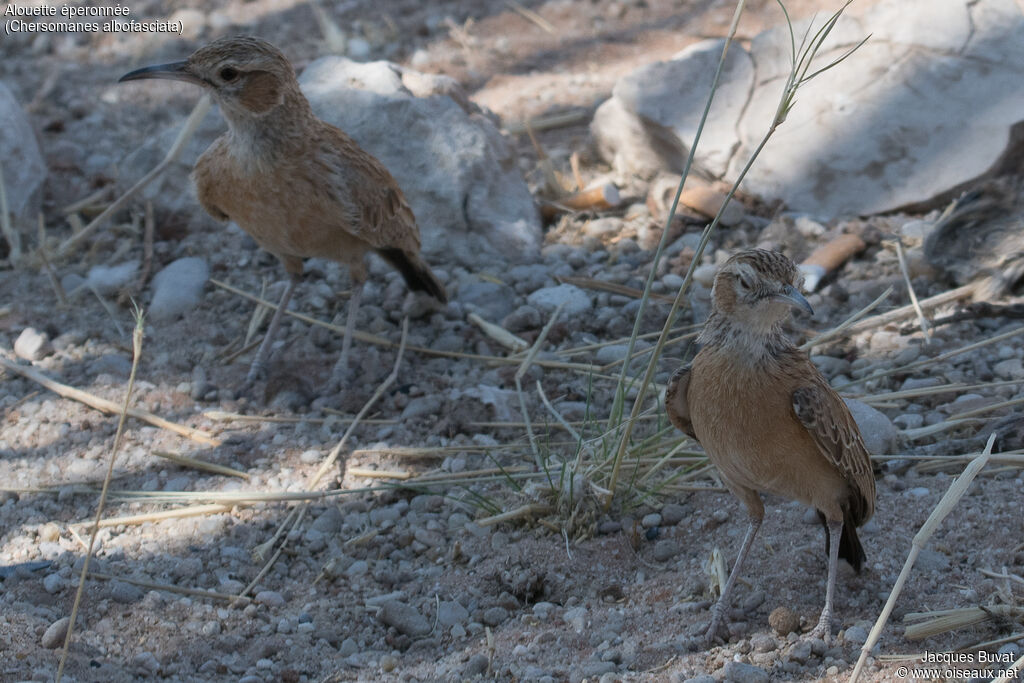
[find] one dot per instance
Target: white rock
(23, 166)
(33, 344)
(178, 287)
(549, 298)
(108, 279)
(880, 435)
(927, 104)
(1010, 368)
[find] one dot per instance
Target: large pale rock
(23, 167)
(455, 168)
(932, 101)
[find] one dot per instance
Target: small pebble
(54, 635)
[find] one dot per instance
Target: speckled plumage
(767, 418)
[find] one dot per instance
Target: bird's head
(247, 75)
(756, 288)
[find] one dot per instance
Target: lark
(299, 186)
(769, 420)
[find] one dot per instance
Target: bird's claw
(717, 632)
(823, 630)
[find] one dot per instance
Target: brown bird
(301, 187)
(769, 420)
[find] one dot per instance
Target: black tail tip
(417, 274)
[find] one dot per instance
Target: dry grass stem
(551, 122)
(523, 368)
(167, 587)
(905, 271)
(518, 513)
(187, 131)
(949, 500)
(202, 465)
(530, 16)
(103, 405)
(118, 437)
(499, 334)
(942, 621)
(178, 513)
(51, 274)
(898, 314)
(378, 474)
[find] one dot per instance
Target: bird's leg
(259, 363)
(824, 628)
(718, 620)
(340, 372)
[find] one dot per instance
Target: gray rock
(111, 364)
(54, 635)
(946, 70)
(672, 514)
(643, 128)
(124, 592)
(494, 616)
(422, 406)
(1012, 368)
(109, 279)
(33, 344)
(178, 287)
(23, 167)
(521, 319)
(476, 666)
(856, 635)
(270, 598)
(650, 520)
(880, 434)
(450, 612)
(665, 550)
(329, 521)
(53, 583)
(491, 300)
(909, 420)
(738, 672)
(404, 618)
(146, 664)
(548, 299)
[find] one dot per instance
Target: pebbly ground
(404, 583)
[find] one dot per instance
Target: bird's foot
(257, 375)
(823, 631)
(718, 630)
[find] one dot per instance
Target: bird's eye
(228, 74)
(744, 282)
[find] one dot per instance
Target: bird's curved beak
(792, 296)
(175, 71)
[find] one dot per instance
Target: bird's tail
(415, 272)
(850, 548)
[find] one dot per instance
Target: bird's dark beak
(175, 71)
(792, 296)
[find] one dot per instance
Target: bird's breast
(285, 207)
(742, 414)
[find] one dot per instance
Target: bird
(768, 419)
(299, 186)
